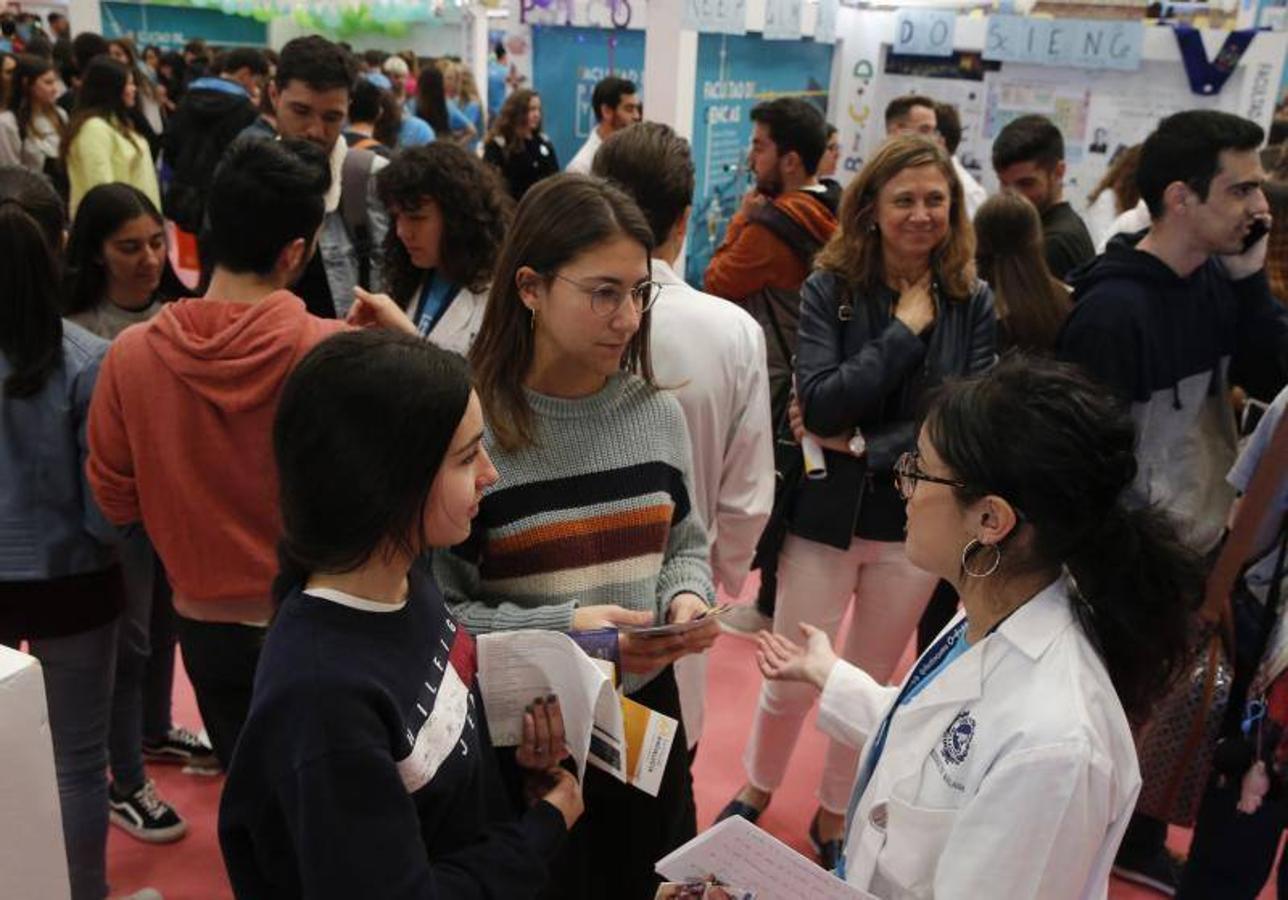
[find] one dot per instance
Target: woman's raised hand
(782, 659)
(916, 305)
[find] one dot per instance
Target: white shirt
(712, 354)
(1133, 220)
(585, 157)
(972, 189)
(1012, 774)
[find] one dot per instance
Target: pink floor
(192, 869)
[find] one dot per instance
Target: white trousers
(816, 584)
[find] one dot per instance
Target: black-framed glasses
(607, 299)
(907, 472)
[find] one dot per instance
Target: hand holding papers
(737, 852)
(611, 732)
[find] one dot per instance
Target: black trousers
(1233, 853)
(611, 850)
(221, 659)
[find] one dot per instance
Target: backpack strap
(791, 232)
(355, 175)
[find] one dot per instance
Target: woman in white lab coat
(1004, 765)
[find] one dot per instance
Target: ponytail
(31, 333)
(1130, 573)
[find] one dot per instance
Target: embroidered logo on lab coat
(957, 738)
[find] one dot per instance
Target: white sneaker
(144, 894)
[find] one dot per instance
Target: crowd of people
(422, 385)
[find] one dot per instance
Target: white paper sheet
(516, 667)
(737, 852)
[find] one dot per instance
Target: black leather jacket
(859, 366)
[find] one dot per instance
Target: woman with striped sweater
(591, 523)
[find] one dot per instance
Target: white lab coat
(1012, 774)
(460, 324)
(711, 353)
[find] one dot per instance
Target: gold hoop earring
(969, 550)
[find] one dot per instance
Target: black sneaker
(183, 748)
(146, 816)
(1160, 872)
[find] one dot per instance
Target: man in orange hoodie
(759, 251)
(181, 420)
(765, 257)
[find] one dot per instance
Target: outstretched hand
(782, 659)
(378, 311)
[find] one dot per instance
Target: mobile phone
(1255, 233)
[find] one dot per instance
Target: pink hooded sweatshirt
(180, 439)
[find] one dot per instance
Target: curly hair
(474, 204)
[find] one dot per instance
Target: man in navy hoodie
(1170, 318)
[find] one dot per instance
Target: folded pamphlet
(601, 727)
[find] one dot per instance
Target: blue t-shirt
(1260, 575)
(415, 132)
(456, 119)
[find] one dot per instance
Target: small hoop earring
(970, 548)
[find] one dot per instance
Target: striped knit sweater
(596, 511)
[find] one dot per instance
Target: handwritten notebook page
(739, 853)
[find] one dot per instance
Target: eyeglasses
(907, 472)
(607, 299)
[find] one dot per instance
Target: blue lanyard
(436, 297)
(949, 645)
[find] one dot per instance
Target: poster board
(1097, 111)
(170, 27)
(568, 63)
(734, 73)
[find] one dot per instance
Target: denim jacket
(50, 526)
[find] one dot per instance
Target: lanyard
(929, 664)
(435, 298)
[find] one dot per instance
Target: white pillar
(670, 64)
(85, 15)
(476, 51)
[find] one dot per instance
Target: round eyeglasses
(606, 299)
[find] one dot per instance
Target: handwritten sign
(825, 25)
(924, 32)
(782, 20)
(1081, 43)
(716, 16)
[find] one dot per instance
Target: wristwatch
(858, 446)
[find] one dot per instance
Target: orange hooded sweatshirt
(752, 258)
(180, 439)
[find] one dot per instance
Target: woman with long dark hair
(102, 144)
(450, 215)
(116, 266)
(432, 106)
(33, 125)
(893, 309)
(365, 767)
(1004, 766)
(60, 583)
(1031, 303)
(517, 147)
(591, 525)
(147, 114)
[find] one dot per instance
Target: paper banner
(782, 20)
(1082, 43)
(924, 32)
(716, 16)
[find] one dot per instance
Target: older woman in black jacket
(894, 309)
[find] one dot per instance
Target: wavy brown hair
(506, 125)
(475, 208)
(558, 220)
(854, 252)
(1120, 178)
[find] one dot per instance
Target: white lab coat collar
(1033, 627)
(664, 274)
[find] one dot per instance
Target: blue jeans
(78, 673)
(133, 649)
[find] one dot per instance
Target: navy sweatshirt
(365, 767)
(1170, 346)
